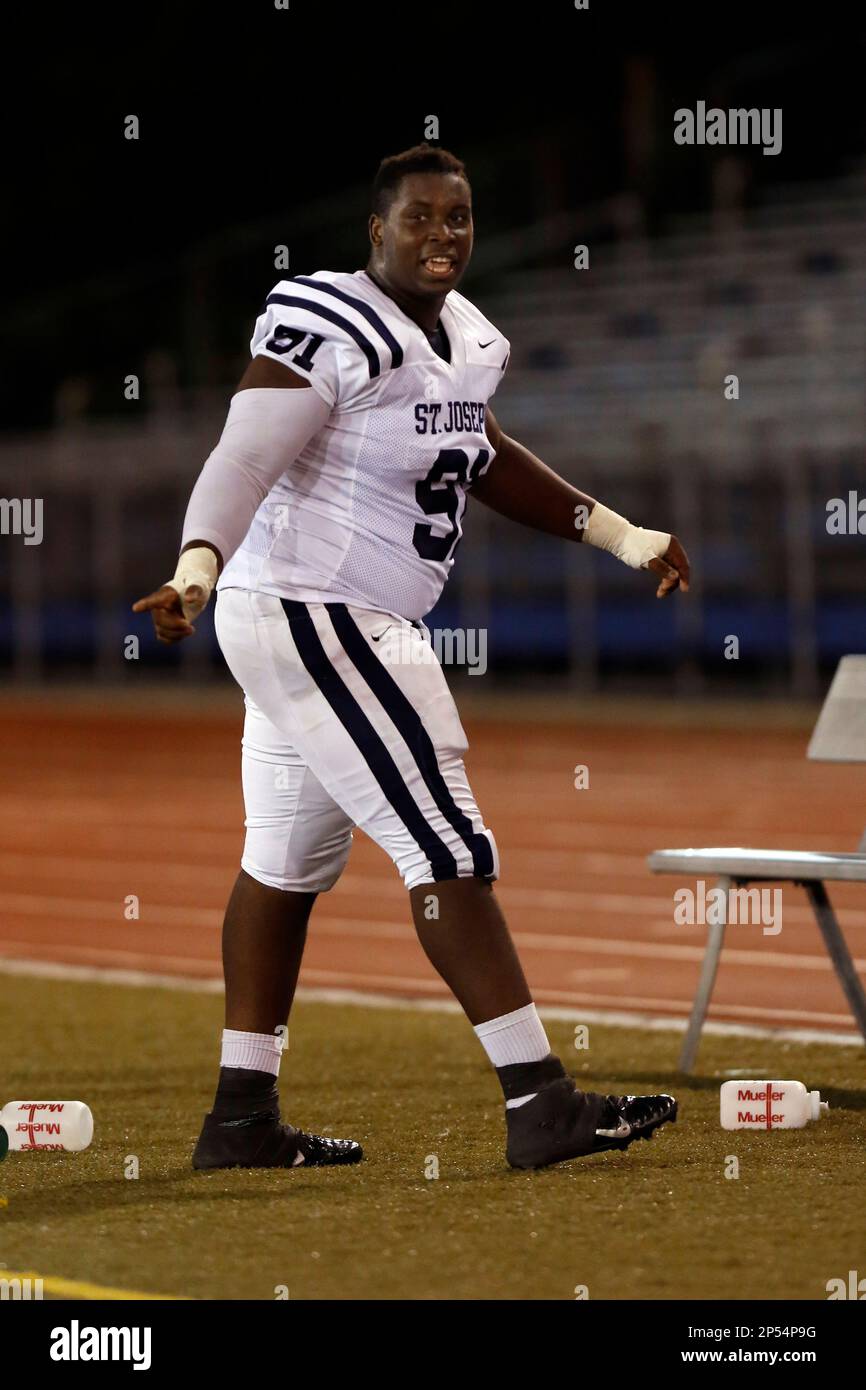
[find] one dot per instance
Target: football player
(327, 518)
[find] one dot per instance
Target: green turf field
(659, 1221)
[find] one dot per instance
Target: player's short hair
(421, 159)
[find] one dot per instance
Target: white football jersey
(370, 512)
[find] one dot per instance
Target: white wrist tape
(634, 545)
(266, 428)
(196, 566)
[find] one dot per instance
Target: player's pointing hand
(176, 603)
(166, 609)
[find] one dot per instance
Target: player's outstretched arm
(267, 427)
(519, 486)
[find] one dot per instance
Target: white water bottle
(769, 1105)
(65, 1125)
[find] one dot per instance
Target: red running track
(98, 804)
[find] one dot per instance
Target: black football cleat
(561, 1122)
(261, 1141)
(627, 1118)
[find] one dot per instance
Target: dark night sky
(248, 112)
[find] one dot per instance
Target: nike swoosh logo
(246, 1121)
(484, 345)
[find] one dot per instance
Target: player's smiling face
(423, 245)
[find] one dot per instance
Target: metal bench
(839, 736)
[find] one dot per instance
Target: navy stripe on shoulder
(323, 312)
(374, 319)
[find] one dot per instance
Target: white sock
(515, 1037)
(254, 1051)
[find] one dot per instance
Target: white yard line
(346, 993)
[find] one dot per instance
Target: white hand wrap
(634, 545)
(195, 566)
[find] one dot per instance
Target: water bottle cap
(819, 1107)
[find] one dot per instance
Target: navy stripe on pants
(443, 865)
(407, 719)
